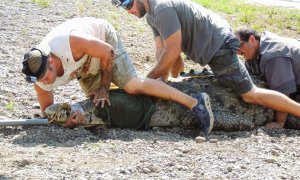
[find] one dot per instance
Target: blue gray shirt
(203, 32)
(279, 62)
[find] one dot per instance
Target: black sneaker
(203, 113)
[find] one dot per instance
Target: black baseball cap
(36, 63)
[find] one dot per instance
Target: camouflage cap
(36, 63)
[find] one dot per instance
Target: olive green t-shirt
(127, 111)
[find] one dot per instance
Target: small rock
(200, 139)
(185, 151)
(73, 97)
(260, 134)
(243, 167)
(123, 171)
(179, 168)
(36, 105)
(270, 160)
(275, 152)
(277, 147)
(24, 163)
(260, 131)
(229, 169)
(231, 161)
(40, 153)
(213, 140)
(283, 176)
(146, 170)
(171, 164)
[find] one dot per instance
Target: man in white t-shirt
(90, 50)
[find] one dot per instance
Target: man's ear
(51, 60)
(252, 39)
(254, 42)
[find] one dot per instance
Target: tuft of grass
(10, 106)
(239, 13)
(42, 3)
(84, 6)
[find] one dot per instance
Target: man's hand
(100, 95)
(167, 52)
(280, 119)
(82, 44)
(76, 119)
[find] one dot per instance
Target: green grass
(238, 13)
(10, 106)
(84, 6)
(42, 3)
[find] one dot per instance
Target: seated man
(275, 58)
(90, 50)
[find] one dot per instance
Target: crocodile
(230, 111)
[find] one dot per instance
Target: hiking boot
(203, 113)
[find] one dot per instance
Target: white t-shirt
(58, 40)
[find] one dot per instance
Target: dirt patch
(52, 152)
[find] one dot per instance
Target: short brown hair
(245, 32)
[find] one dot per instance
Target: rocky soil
(52, 152)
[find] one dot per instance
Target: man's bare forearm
(163, 65)
(45, 98)
(106, 72)
(280, 117)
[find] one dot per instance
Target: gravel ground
(52, 152)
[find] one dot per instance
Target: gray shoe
(203, 113)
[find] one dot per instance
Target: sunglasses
(127, 5)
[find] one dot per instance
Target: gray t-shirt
(280, 76)
(203, 32)
(279, 62)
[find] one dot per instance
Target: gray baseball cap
(36, 63)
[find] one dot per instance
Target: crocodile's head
(58, 113)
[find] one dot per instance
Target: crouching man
(90, 50)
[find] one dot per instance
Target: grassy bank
(284, 21)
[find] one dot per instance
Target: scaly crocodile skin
(231, 113)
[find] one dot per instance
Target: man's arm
(279, 121)
(280, 118)
(45, 98)
(168, 54)
(280, 77)
(82, 44)
(159, 46)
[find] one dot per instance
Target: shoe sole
(208, 107)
